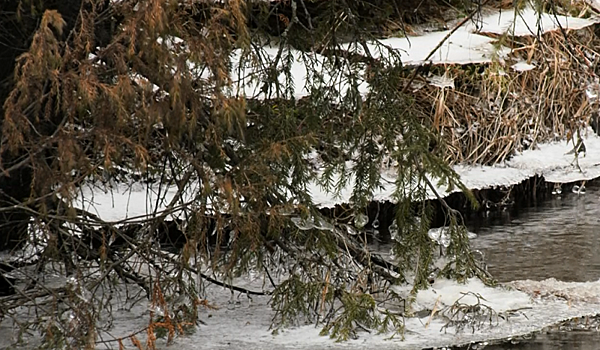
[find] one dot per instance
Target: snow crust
(528, 22)
(550, 160)
(444, 293)
(241, 323)
(469, 44)
(553, 161)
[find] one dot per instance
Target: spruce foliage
(123, 93)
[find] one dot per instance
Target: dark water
(555, 341)
(558, 238)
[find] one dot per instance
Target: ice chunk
(440, 235)
(360, 220)
(523, 66)
(441, 81)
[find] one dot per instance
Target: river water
(559, 238)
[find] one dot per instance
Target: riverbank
(551, 162)
(524, 175)
(458, 132)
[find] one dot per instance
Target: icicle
(394, 231)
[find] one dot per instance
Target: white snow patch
(124, 202)
(306, 70)
(553, 161)
(461, 47)
(528, 22)
(522, 66)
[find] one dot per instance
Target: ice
(303, 224)
(578, 189)
(446, 292)
(441, 81)
(394, 231)
(350, 230)
(440, 235)
(360, 220)
(574, 292)
(375, 224)
(311, 222)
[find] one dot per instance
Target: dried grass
(494, 110)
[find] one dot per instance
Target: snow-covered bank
(553, 161)
(236, 321)
(243, 324)
(469, 44)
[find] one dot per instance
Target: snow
(553, 161)
(522, 66)
(468, 44)
(461, 47)
(123, 202)
(306, 70)
(243, 324)
(445, 292)
(240, 322)
(528, 22)
(550, 160)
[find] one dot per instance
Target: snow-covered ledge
(552, 160)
